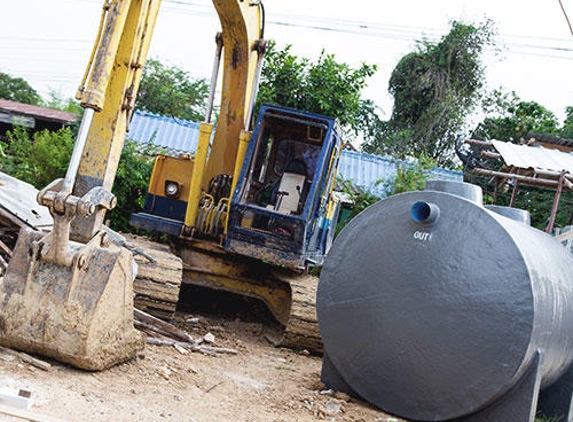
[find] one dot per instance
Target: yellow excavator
(248, 204)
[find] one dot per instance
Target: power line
(339, 24)
(566, 17)
(396, 35)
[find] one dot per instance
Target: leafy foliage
(410, 177)
(434, 88)
(546, 419)
(325, 86)
(44, 156)
(170, 91)
(513, 119)
(17, 89)
(57, 102)
(130, 186)
(567, 129)
(37, 159)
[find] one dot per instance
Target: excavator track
(288, 294)
(161, 273)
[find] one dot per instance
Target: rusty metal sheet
(537, 157)
(18, 199)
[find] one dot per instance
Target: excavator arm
(108, 92)
(242, 28)
(69, 294)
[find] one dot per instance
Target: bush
(45, 156)
(130, 187)
(39, 159)
(410, 177)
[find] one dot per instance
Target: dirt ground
(261, 383)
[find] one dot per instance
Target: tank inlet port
(424, 212)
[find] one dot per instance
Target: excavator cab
(282, 209)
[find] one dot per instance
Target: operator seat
(291, 187)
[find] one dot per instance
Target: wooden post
(549, 228)
(513, 194)
(496, 189)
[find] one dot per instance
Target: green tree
(325, 86)
(567, 129)
(17, 89)
(170, 91)
(435, 88)
(512, 119)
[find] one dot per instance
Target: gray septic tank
(434, 308)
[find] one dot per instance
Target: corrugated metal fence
(370, 171)
(365, 170)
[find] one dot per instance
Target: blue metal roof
(180, 136)
(175, 135)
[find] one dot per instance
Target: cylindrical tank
(432, 307)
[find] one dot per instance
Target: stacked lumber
(158, 280)
(302, 331)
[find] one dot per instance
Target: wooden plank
(478, 143)
(156, 290)
(27, 415)
(45, 366)
(4, 248)
(158, 282)
(175, 332)
(21, 400)
(549, 183)
(564, 236)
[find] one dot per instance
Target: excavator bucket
(81, 314)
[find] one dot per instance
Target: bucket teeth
(81, 315)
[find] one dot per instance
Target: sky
(48, 42)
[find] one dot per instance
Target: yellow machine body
(193, 200)
(167, 169)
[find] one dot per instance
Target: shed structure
(529, 164)
(34, 117)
